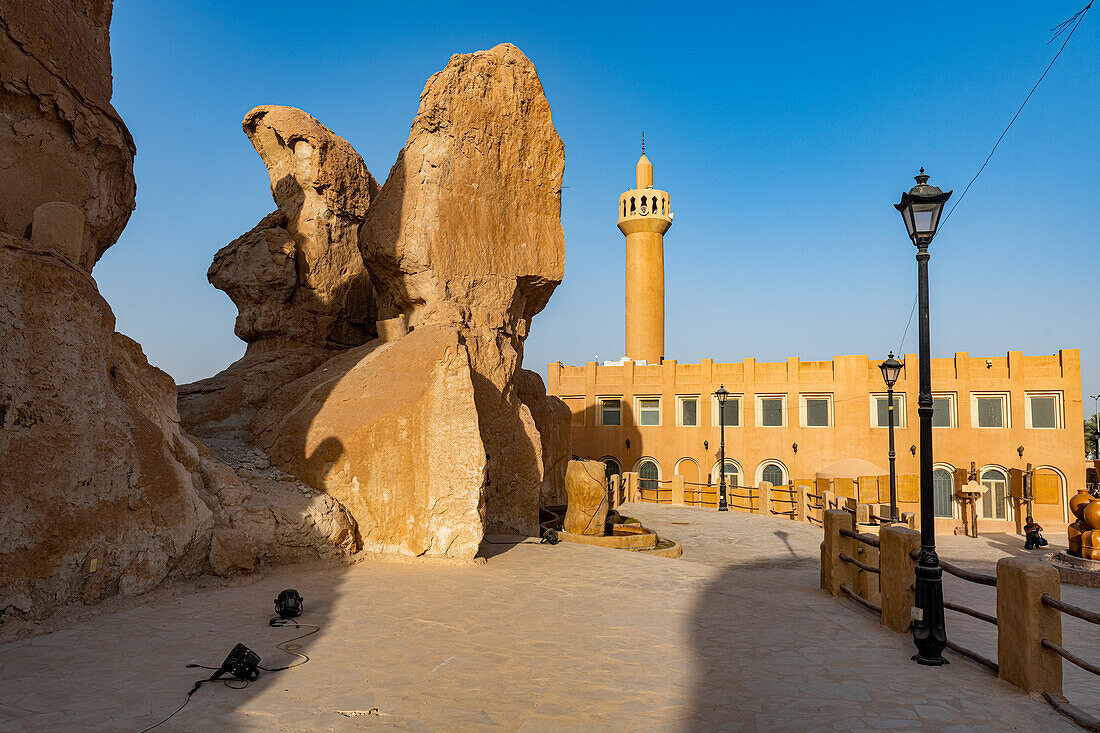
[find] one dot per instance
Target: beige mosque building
(995, 417)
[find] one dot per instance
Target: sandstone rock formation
(431, 434)
(391, 431)
(552, 418)
(297, 277)
(102, 492)
(586, 512)
(60, 138)
(97, 500)
(467, 232)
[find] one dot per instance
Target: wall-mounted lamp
(706, 445)
(628, 442)
(794, 447)
(988, 363)
(913, 449)
(1020, 450)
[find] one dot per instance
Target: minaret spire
(643, 146)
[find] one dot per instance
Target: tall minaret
(645, 214)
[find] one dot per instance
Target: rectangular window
(880, 410)
(611, 411)
(990, 410)
(731, 413)
(649, 411)
(1044, 410)
(817, 411)
(689, 411)
(770, 411)
(943, 411)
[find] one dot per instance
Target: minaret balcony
(645, 210)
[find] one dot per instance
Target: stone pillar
(615, 483)
(909, 519)
(897, 574)
(828, 498)
(801, 505)
(866, 584)
(863, 513)
(631, 480)
(764, 498)
(677, 489)
(835, 572)
(59, 227)
(1023, 621)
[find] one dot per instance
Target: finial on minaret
(643, 146)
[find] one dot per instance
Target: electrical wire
(289, 646)
(1058, 30)
(191, 692)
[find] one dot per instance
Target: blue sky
(784, 132)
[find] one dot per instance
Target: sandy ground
(736, 635)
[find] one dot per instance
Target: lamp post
(920, 209)
(891, 370)
(722, 396)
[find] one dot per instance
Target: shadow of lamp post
(722, 395)
(891, 370)
(920, 209)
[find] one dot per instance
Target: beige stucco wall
(850, 380)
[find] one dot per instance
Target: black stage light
(242, 663)
(289, 604)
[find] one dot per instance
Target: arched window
(611, 468)
(773, 474)
(648, 475)
(632, 209)
(624, 207)
(943, 484)
(733, 474)
(994, 502)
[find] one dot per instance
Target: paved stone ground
(734, 636)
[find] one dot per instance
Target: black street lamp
(722, 396)
(891, 370)
(920, 209)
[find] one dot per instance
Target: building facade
(792, 420)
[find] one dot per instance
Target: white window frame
(760, 410)
(680, 399)
(899, 410)
(740, 410)
(802, 410)
(954, 491)
(1006, 411)
(1059, 413)
(714, 473)
(1010, 511)
(772, 462)
(638, 410)
(599, 409)
(954, 409)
